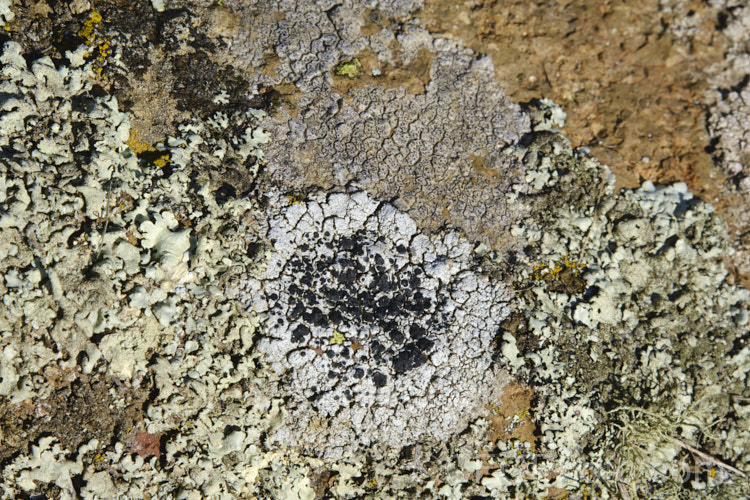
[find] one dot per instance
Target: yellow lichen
(564, 275)
(87, 32)
(104, 52)
(296, 197)
(162, 161)
(103, 49)
(349, 69)
(338, 338)
(136, 145)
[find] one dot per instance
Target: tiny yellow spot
(338, 338)
(295, 198)
(162, 161)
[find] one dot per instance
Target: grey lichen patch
(51, 214)
(729, 101)
(433, 145)
(729, 113)
(385, 331)
(438, 154)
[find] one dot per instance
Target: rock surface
(313, 250)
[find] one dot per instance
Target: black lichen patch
(409, 358)
(357, 291)
(379, 379)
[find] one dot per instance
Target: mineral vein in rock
(383, 329)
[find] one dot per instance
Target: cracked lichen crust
(385, 331)
(439, 154)
(436, 151)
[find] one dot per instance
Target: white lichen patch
(386, 332)
(47, 463)
(6, 14)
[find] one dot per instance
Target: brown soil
(516, 401)
(80, 408)
(631, 91)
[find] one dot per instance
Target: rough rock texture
(160, 256)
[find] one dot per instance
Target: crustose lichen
(385, 331)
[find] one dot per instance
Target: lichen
(348, 69)
(387, 330)
(199, 281)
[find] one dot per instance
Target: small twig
(707, 457)
(623, 490)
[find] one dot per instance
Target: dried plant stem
(707, 457)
